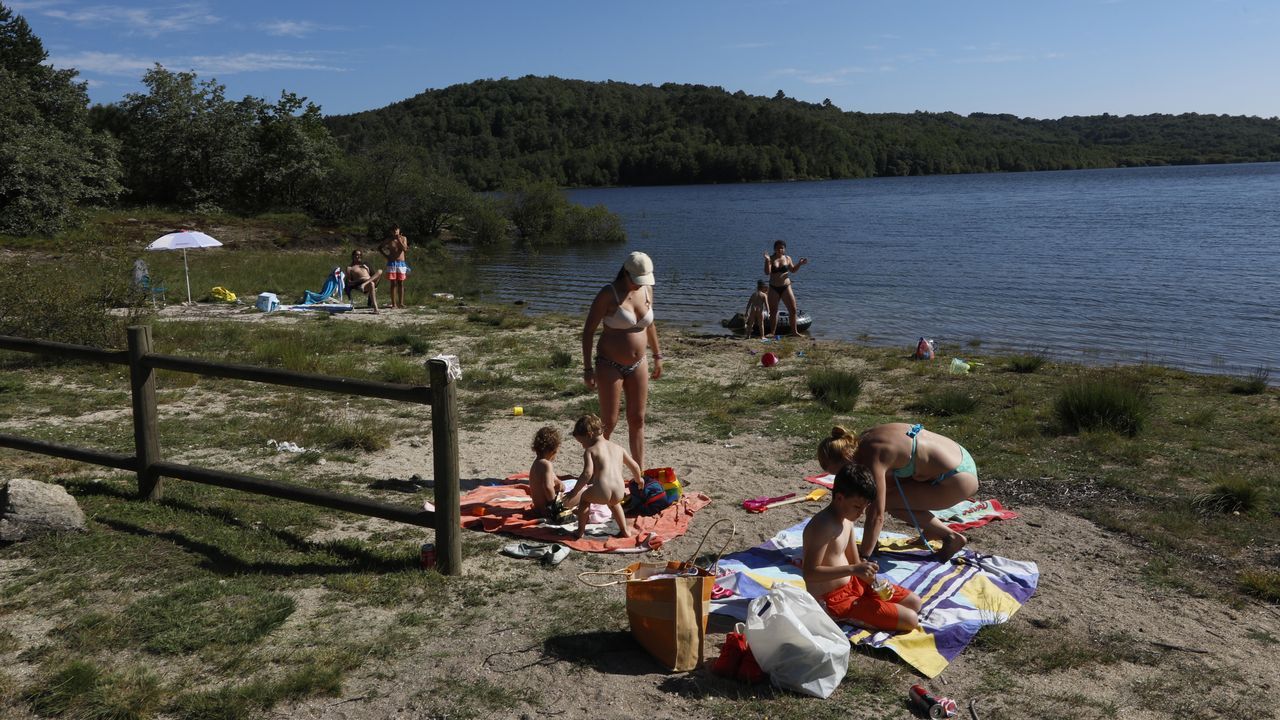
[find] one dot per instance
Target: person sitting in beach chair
(360, 277)
(142, 282)
(331, 292)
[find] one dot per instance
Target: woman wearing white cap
(625, 308)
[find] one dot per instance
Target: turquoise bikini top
(908, 471)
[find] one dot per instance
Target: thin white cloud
(289, 28)
(30, 5)
(145, 21)
(135, 66)
(257, 62)
(827, 77)
(103, 63)
(991, 59)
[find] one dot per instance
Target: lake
(1174, 265)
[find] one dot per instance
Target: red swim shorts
(859, 603)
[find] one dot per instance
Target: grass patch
(318, 674)
(206, 613)
(415, 344)
(1230, 495)
(366, 434)
(837, 389)
(1026, 364)
(1255, 383)
(1263, 584)
(946, 403)
(82, 690)
(560, 359)
(1103, 403)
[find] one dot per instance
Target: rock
(29, 508)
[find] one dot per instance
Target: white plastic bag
(795, 641)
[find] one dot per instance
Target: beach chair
(142, 282)
(331, 292)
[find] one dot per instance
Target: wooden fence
(147, 461)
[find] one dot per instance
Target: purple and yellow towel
(959, 597)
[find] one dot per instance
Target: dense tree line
(490, 133)
(183, 144)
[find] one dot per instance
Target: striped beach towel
(959, 598)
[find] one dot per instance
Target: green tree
(184, 143)
(294, 152)
(51, 162)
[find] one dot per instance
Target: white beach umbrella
(181, 241)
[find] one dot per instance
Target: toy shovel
(760, 504)
(817, 494)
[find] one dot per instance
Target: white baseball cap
(640, 268)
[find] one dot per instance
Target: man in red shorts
(837, 576)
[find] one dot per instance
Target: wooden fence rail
(150, 468)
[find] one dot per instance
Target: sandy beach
(512, 639)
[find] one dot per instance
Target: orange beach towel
(506, 509)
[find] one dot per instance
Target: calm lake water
(1178, 265)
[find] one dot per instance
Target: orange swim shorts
(857, 602)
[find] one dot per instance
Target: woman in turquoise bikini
(916, 471)
(625, 308)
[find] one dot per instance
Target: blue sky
(1036, 58)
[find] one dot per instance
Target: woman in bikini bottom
(623, 370)
(623, 313)
(916, 471)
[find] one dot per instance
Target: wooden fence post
(146, 440)
(444, 450)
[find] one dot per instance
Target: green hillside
(493, 133)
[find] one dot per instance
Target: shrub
(837, 389)
(80, 313)
(1254, 383)
(945, 403)
(1103, 403)
(1263, 584)
(561, 359)
(1025, 363)
(1230, 495)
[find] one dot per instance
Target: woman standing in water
(625, 308)
(780, 269)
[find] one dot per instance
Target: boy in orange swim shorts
(836, 575)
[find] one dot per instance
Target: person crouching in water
(837, 576)
(601, 481)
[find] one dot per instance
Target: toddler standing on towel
(837, 576)
(544, 485)
(601, 481)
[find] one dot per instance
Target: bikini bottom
(623, 370)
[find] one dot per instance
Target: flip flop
(526, 550)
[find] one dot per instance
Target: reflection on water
(1179, 266)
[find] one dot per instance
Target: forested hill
(493, 133)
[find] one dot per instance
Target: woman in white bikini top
(624, 308)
